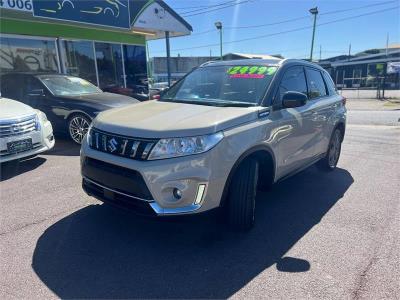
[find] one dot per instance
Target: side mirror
(294, 99)
(36, 93)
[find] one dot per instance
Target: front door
(295, 135)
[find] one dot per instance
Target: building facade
(84, 38)
(367, 69)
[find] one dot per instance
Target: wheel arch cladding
(77, 113)
(264, 156)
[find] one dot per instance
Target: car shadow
(11, 169)
(64, 147)
(102, 252)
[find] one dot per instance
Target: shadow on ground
(11, 169)
(101, 252)
(64, 147)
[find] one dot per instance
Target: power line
(306, 17)
(297, 18)
(289, 31)
(211, 10)
(208, 7)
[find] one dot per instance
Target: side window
(33, 83)
(329, 83)
(293, 80)
(316, 84)
(11, 87)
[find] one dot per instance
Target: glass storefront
(79, 60)
(135, 66)
(109, 65)
(27, 54)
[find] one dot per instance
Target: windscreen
(223, 85)
(68, 85)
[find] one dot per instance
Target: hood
(156, 119)
(106, 99)
(11, 109)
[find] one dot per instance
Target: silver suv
(224, 130)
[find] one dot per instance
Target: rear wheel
(242, 195)
(78, 126)
(329, 162)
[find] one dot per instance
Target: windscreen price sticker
(251, 71)
(22, 5)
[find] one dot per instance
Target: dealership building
(102, 41)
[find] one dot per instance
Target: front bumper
(200, 178)
(42, 140)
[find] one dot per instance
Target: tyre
(329, 162)
(242, 195)
(78, 126)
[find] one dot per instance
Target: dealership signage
(114, 13)
(21, 5)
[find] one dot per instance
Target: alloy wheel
(78, 127)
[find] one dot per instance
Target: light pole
(219, 27)
(313, 11)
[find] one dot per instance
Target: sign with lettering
(113, 13)
(22, 5)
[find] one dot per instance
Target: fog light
(177, 193)
(200, 193)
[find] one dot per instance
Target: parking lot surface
(317, 235)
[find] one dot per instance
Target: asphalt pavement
(317, 235)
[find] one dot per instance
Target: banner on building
(393, 67)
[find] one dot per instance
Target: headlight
(176, 147)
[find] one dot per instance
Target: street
(317, 235)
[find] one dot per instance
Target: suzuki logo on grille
(112, 145)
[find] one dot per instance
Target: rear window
(329, 83)
(316, 85)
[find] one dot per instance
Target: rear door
(322, 105)
(295, 134)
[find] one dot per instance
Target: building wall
(179, 66)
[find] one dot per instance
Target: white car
(24, 131)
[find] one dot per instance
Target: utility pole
(313, 11)
(218, 25)
(387, 43)
(168, 58)
(348, 57)
(320, 52)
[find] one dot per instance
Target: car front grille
(18, 126)
(122, 180)
(129, 147)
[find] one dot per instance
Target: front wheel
(329, 162)
(242, 195)
(78, 126)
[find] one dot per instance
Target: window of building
(316, 85)
(79, 60)
(27, 54)
(109, 65)
(293, 81)
(135, 66)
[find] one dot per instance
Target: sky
(363, 24)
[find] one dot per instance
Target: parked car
(225, 129)
(69, 102)
(24, 131)
(140, 93)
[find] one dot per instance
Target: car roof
(257, 61)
